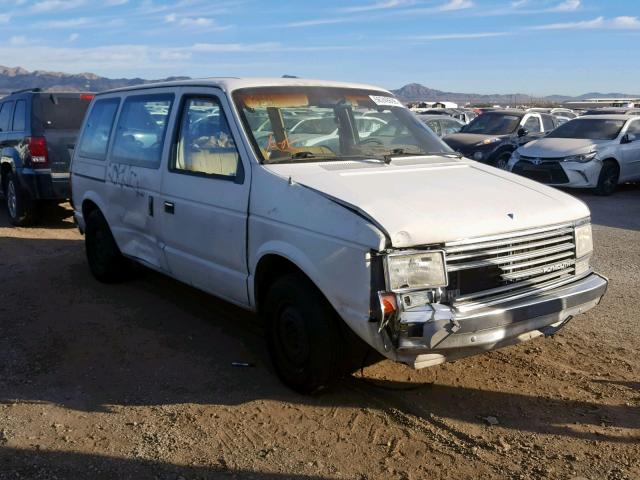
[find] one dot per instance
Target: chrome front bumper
(447, 334)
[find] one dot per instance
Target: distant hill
(18, 78)
(416, 92)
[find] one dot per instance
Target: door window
(97, 130)
(532, 125)
(205, 145)
(435, 126)
(141, 129)
(548, 123)
(20, 116)
(634, 129)
(5, 116)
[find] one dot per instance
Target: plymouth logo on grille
(556, 266)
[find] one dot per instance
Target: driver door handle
(169, 207)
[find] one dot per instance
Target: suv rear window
(59, 112)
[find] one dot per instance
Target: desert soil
(136, 381)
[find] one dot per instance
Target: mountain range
(18, 78)
(416, 92)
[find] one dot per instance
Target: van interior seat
(219, 161)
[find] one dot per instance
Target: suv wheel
(106, 262)
(304, 335)
(20, 205)
(608, 179)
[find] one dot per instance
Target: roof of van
(231, 83)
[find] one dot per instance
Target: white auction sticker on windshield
(386, 101)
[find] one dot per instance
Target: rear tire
(106, 262)
(20, 206)
(608, 179)
(304, 334)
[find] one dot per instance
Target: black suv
(37, 131)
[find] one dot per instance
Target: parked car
(37, 130)
(492, 137)
(369, 240)
(442, 125)
(596, 151)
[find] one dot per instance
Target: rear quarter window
(20, 116)
(59, 111)
(97, 130)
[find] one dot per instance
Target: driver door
(631, 154)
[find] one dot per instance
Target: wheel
(20, 205)
(502, 161)
(106, 262)
(304, 335)
(608, 179)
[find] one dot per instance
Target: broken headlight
(414, 270)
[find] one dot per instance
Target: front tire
(106, 262)
(305, 339)
(608, 179)
(502, 161)
(20, 205)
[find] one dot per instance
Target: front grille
(491, 268)
(548, 171)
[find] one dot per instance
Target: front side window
(548, 123)
(141, 129)
(20, 116)
(97, 129)
(435, 126)
(491, 123)
(205, 145)
(309, 124)
(449, 127)
(588, 129)
(5, 116)
(634, 129)
(532, 125)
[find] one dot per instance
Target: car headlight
(584, 240)
(581, 158)
(416, 270)
(489, 141)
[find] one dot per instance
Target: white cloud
(624, 22)
(73, 37)
(567, 6)
(456, 36)
(18, 40)
(115, 3)
(56, 5)
(378, 6)
(5, 18)
(196, 22)
(319, 21)
(72, 22)
(453, 5)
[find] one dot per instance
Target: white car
(391, 241)
(593, 151)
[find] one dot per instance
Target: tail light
(38, 151)
(87, 96)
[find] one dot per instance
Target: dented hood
(434, 200)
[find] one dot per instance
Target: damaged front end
(464, 298)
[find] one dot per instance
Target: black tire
(608, 179)
(502, 160)
(106, 262)
(304, 333)
(20, 206)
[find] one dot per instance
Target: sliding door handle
(170, 207)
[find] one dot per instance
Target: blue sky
(536, 47)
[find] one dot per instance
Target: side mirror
(522, 132)
(628, 138)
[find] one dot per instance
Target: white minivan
(388, 239)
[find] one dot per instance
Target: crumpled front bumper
(449, 334)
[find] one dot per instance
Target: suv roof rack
(35, 89)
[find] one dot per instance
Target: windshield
(491, 123)
(298, 124)
(588, 129)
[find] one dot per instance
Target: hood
(434, 200)
(559, 147)
(463, 141)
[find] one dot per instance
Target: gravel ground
(136, 381)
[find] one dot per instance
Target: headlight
(416, 270)
(581, 158)
(584, 240)
(489, 141)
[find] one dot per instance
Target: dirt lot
(136, 381)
